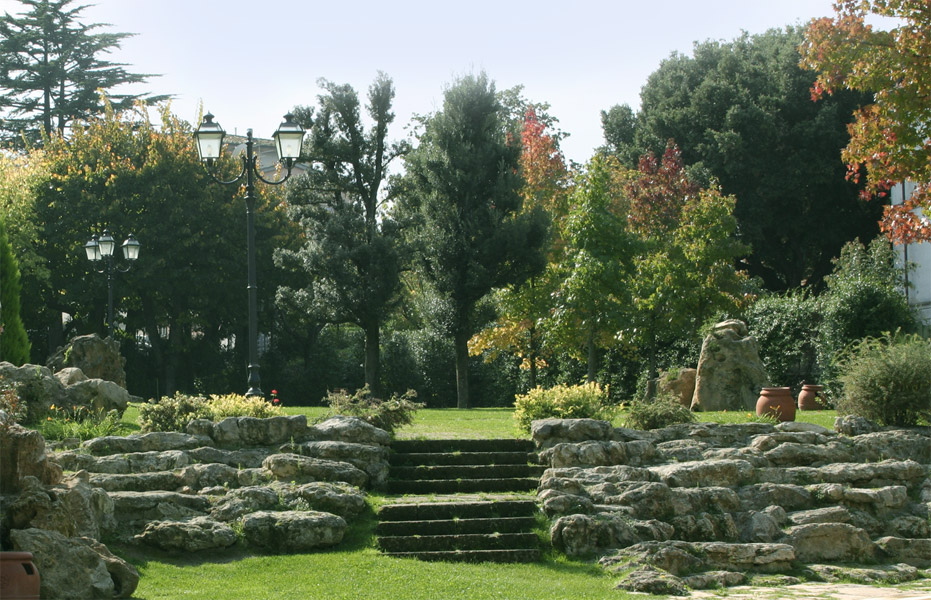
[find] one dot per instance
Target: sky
(250, 62)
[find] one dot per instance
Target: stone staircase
(461, 501)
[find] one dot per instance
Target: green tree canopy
(52, 71)
(462, 189)
(742, 113)
(14, 344)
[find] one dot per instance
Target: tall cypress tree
(14, 345)
(51, 71)
(463, 191)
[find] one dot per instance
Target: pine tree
(51, 71)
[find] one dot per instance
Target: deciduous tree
(890, 139)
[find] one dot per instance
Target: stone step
(455, 526)
(399, 459)
(526, 555)
(469, 541)
(466, 471)
(457, 510)
(446, 446)
(462, 486)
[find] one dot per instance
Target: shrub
(11, 403)
(786, 327)
(385, 414)
(586, 401)
(172, 413)
(662, 411)
(235, 405)
(81, 422)
(887, 380)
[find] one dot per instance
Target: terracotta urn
(808, 397)
(19, 578)
(776, 402)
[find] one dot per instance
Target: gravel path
(824, 591)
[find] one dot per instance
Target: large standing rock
(97, 358)
(730, 372)
(678, 384)
(22, 454)
(73, 508)
(75, 568)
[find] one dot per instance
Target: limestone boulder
(22, 454)
(371, 458)
(98, 395)
(679, 384)
(914, 552)
(585, 535)
(293, 531)
(156, 441)
(75, 568)
(829, 542)
(650, 580)
(236, 432)
(730, 372)
(72, 508)
(721, 473)
(37, 387)
(97, 358)
(853, 425)
(546, 433)
(133, 510)
(304, 469)
(585, 454)
(188, 535)
(348, 429)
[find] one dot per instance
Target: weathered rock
(760, 495)
(895, 445)
(125, 576)
(649, 580)
(37, 387)
(71, 568)
(828, 514)
(679, 384)
(730, 372)
(72, 508)
(134, 509)
(758, 526)
(714, 580)
(146, 442)
(829, 542)
(247, 458)
(371, 458)
(137, 482)
(557, 503)
(303, 469)
(99, 395)
(584, 535)
(188, 535)
(98, 358)
(585, 454)
(333, 497)
(250, 431)
(22, 454)
(348, 429)
(293, 531)
(887, 574)
(765, 558)
(792, 454)
(682, 450)
(723, 473)
(853, 425)
(546, 433)
(705, 526)
(916, 553)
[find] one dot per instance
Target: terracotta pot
(808, 397)
(19, 578)
(776, 402)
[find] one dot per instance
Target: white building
(919, 278)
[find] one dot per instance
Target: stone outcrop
(699, 504)
(678, 384)
(730, 371)
(96, 357)
(41, 390)
(22, 454)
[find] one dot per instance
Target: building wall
(919, 292)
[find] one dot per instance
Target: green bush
(659, 412)
(175, 412)
(586, 401)
(887, 380)
(786, 327)
(81, 422)
(385, 414)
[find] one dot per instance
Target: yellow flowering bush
(586, 401)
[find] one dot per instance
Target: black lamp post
(101, 249)
(288, 140)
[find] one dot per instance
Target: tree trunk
(592, 356)
(462, 369)
(533, 356)
(372, 359)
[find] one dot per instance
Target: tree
(890, 138)
(14, 345)
(741, 113)
(592, 297)
(51, 70)
(462, 189)
(522, 308)
(351, 251)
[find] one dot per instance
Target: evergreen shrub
(385, 414)
(661, 411)
(586, 401)
(175, 412)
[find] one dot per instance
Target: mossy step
(490, 445)
(456, 526)
(526, 555)
(469, 541)
(466, 472)
(462, 486)
(397, 459)
(457, 510)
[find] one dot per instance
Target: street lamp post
(288, 140)
(100, 251)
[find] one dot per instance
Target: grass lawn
(357, 570)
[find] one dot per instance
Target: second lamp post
(101, 249)
(288, 140)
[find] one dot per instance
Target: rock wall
(698, 504)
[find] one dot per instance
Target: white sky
(251, 62)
